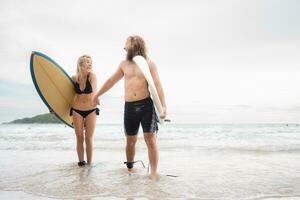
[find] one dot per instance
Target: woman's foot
(81, 163)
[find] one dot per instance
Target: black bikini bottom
(84, 113)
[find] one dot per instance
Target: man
(139, 108)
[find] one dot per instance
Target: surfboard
(143, 65)
(53, 85)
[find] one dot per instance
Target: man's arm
(160, 91)
(109, 83)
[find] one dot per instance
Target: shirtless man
(139, 107)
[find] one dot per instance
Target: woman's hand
(96, 101)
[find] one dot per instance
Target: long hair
(137, 47)
(80, 61)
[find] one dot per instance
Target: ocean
(197, 161)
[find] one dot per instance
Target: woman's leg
(78, 126)
(90, 122)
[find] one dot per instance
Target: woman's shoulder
(74, 78)
(92, 75)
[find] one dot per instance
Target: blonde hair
(137, 47)
(80, 61)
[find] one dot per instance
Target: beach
(197, 161)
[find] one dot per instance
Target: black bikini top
(87, 90)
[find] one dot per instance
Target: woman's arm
(160, 91)
(74, 79)
(93, 81)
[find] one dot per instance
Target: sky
(219, 61)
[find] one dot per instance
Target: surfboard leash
(130, 165)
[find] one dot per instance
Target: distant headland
(47, 118)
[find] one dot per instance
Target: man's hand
(163, 114)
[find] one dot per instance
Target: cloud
(209, 52)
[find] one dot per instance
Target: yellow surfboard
(54, 86)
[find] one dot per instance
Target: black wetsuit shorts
(140, 112)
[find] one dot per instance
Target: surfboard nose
(33, 52)
(40, 54)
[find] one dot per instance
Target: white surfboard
(143, 65)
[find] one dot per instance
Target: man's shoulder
(151, 63)
(123, 63)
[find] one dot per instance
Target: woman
(83, 109)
